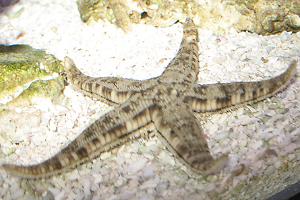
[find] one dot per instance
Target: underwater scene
(149, 99)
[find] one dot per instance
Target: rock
(48, 196)
(261, 16)
(268, 16)
(26, 73)
(137, 165)
(148, 171)
(151, 183)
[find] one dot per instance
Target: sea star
(167, 102)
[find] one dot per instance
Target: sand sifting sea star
(167, 102)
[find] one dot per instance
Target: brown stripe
(254, 94)
(96, 141)
(106, 91)
(69, 157)
(55, 162)
(97, 85)
(82, 152)
(222, 102)
(203, 103)
(126, 109)
(90, 86)
(261, 91)
(190, 31)
(138, 117)
(118, 130)
(242, 95)
(194, 59)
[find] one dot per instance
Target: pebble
(137, 165)
(166, 157)
(151, 183)
(148, 171)
(60, 195)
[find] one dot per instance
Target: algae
(26, 72)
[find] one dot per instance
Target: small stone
(120, 181)
(134, 167)
(148, 171)
(291, 157)
(278, 164)
(97, 178)
(48, 196)
(126, 195)
(105, 155)
(294, 21)
(257, 144)
(60, 195)
(151, 183)
(147, 197)
(162, 186)
(17, 193)
(165, 157)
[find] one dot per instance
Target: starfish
(167, 102)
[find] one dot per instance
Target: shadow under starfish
(167, 102)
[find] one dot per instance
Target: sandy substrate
(260, 138)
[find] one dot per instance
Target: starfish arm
(108, 132)
(183, 135)
(184, 67)
(221, 96)
(112, 89)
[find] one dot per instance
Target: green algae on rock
(51, 89)
(26, 72)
